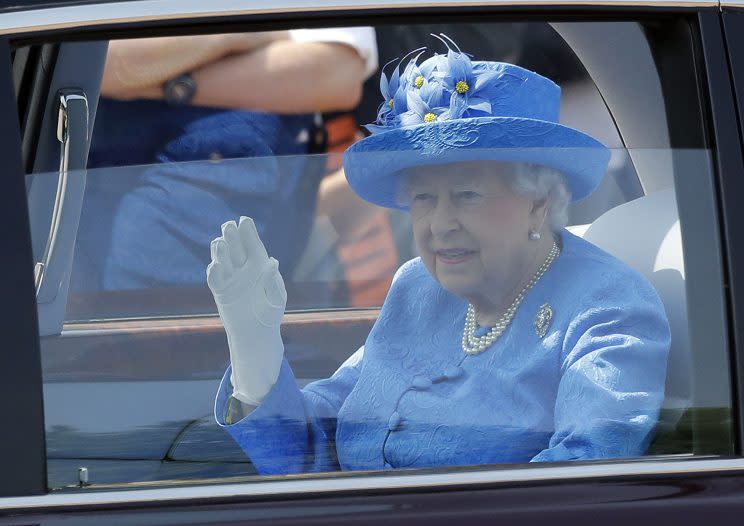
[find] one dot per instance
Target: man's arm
(136, 66)
(282, 77)
(285, 77)
(346, 210)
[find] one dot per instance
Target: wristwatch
(180, 90)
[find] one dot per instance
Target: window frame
(346, 485)
(728, 156)
(107, 15)
(20, 374)
(725, 70)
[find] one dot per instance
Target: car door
(128, 395)
(20, 314)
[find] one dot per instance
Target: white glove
(250, 296)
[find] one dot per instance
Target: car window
(335, 251)
(504, 266)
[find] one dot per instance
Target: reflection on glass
(509, 335)
(315, 347)
(693, 401)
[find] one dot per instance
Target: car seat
(645, 234)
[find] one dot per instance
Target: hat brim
(374, 165)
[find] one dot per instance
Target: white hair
(532, 181)
(540, 182)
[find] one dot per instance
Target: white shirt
(362, 39)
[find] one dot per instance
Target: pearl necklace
(472, 344)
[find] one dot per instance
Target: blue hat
(450, 109)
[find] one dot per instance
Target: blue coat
(591, 387)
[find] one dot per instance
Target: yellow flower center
(390, 103)
(430, 117)
(462, 87)
(419, 81)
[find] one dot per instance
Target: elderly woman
(508, 340)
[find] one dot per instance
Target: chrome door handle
(72, 133)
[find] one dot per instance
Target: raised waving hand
(250, 296)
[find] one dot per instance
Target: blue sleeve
(292, 430)
(612, 382)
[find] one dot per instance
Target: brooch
(543, 319)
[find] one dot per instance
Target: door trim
(146, 494)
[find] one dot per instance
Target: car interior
(96, 390)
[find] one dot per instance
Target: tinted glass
(522, 323)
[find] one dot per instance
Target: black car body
(63, 380)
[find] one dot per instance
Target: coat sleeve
(613, 371)
(292, 430)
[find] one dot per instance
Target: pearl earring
(534, 235)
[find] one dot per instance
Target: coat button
(421, 382)
(394, 421)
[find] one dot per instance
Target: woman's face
(471, 229)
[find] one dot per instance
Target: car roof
(21, 16)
